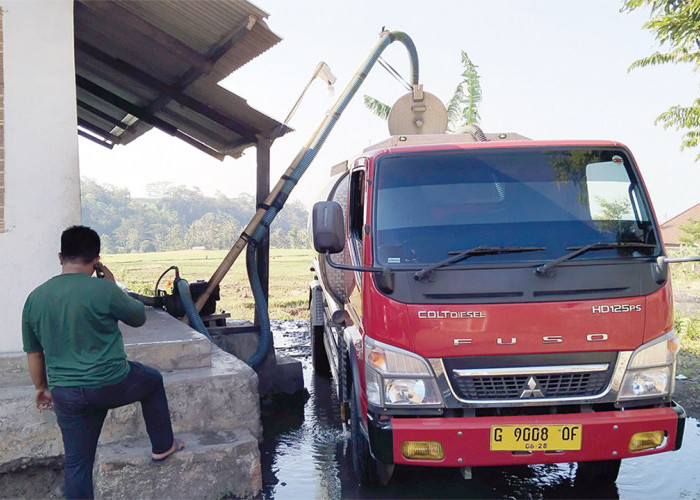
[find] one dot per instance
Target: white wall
(42, 181)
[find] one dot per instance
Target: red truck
(498, 302)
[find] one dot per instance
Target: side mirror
(328, 227)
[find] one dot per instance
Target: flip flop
(178, 444)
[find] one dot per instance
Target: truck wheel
(319, 358)
(372, 472)
(601, 472)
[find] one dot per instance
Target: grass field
(289, 278)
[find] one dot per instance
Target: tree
(691, 233)
(462, 109)
(676, 25)
(213, 231)
(103, 206)
(180, 217)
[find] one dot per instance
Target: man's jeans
(80, 412)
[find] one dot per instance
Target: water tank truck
(489, 300)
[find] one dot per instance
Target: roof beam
(98, 131)
(173, 93)
(95, 139)
(216, 53)
(101, 114)
(130, 21)
(237, 34)
(142, 114)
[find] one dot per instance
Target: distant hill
(180, 217)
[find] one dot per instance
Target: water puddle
(305, 455)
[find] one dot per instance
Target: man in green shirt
(77, 362)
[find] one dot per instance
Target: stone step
(166, 343)
(213, 464)
(163, 342)
(221, 396)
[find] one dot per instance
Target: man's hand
(43, 400)
(105, 270)
(37, 372)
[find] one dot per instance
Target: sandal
(178, 444)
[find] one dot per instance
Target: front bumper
(466, 441)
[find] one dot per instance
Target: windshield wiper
(599, 245)
(465, 254)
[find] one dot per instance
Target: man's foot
(178, 444)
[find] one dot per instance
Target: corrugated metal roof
(202, 24)
(141, 64)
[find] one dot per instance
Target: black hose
(147, 301)
(265, 337)
(195, 319)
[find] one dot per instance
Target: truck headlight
(396, 377)
(650, 369)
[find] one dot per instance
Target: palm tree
(462, 110)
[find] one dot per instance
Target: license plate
(536, 437)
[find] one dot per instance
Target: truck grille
(520, 381)
(511, 387)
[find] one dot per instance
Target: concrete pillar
(42, 179)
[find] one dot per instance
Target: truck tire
(319, 358)
(601, 472)
(372, 472)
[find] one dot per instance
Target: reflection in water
(305, 455)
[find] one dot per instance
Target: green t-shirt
(73, 319)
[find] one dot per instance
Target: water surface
(306, 455)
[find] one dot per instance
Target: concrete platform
(212, 464)
(166, 343)
(278, 374)
(210, 393)
(162, 342)
(222, 396)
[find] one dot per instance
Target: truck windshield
(429, 204)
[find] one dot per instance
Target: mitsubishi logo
(532, 390)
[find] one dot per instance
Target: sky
(548, 70)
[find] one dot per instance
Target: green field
(289, 278)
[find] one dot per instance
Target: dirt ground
(687, 392)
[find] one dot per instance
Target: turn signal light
(422, 450)
(646, 440)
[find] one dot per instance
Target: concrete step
(223, 396)
(166, 343)
(212, 465)
(163, 342)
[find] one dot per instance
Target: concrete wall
(42, 181)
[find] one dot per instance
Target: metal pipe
(306, 155)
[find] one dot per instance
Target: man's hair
(80, 242)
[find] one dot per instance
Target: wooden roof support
(108, 118)
(142, 114)
(98, 131)
(95, 139)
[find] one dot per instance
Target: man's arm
(37, 371)
(124, 308)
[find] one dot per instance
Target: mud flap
(316, 306)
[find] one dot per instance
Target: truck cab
(499, 302)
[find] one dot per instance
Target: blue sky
(549, 70)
